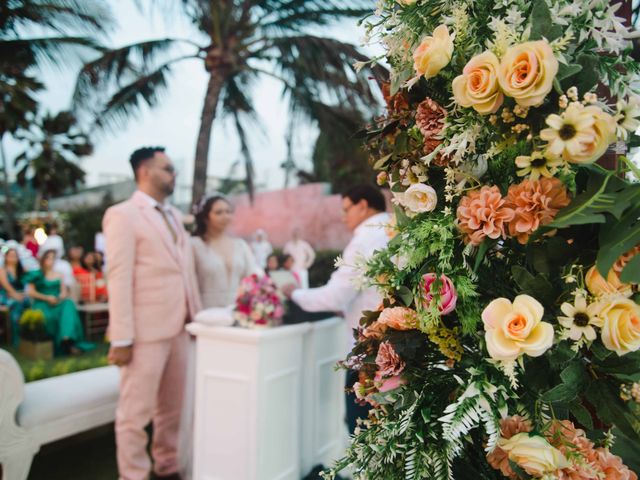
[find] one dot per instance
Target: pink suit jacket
(151, 278)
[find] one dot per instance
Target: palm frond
(29, 52)
(300, 19)
(126, 102)
(119, 65)
(57, 15)
(236, 100)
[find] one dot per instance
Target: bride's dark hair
(202, 212)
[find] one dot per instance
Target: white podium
(268, 404)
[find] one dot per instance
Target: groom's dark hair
(373, 196)
(141, 155)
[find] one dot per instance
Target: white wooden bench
(40, 412)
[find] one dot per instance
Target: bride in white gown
(221, 261)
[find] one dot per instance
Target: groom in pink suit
(152, 294)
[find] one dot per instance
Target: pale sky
(174, 122)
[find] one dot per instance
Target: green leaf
(546, 256)
(566, 71)
(611, 409)
(561, 354)
(575, 375)
(405, 295)
(402, 143)
(589, 206)
(401, 218)
(589, 75)
(562, 393)
(618, 237)
(398, 80)
(522, 475)
(631, 272)
(537, 286)
(542, 25)
(484, 247)
(382, 161)
(582, 415)
(600, 351)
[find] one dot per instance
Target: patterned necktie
(174, 234)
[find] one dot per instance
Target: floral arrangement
(31, 326)
(258, 303)
(508, 341)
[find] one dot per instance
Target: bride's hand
(288, 289)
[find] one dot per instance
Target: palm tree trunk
(216, 81)
(9, 218)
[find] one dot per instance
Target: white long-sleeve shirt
(341, 292)
(302, 253)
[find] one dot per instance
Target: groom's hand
(120, 356)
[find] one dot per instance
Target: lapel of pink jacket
(154, 218)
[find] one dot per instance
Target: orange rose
(527, 71)
(598, 286)
(478, 86)
(433, 53)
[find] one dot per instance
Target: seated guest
(273, 263)
(29, 241)
(49, 294)
(75, 260)
(286, 263)
(11, 290)
(93, 287)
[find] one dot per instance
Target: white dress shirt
(341, 292)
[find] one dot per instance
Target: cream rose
(603, 135)
(620, 323)
(478, 85)
(598, 286)
(433, 53)
(512, 329)
(533, 454)
(527, 71)
(419, 198)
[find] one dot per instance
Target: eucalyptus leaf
(382, 161)
(405, 295)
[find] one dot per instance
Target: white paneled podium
(268, 403)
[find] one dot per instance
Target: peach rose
(478, 86)
(533, 454)
(516, 328)
(598, 286)
(620, 323)
(388, 361)
(398, 318)
(527, 71)
(433, 53)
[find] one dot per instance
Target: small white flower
(580, 319)
(627, 117)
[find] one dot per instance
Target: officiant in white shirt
(363, 211)
(303, 256)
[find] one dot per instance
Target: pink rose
(447, 295)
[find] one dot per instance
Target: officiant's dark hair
(202, 213)
(373, 196)
(141, 155)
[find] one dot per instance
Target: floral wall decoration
(508, 341)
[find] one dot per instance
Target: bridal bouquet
(258, 303)
(508, 341)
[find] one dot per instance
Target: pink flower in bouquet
(612, 466)
(447, 294)
(388, 361)
(257, 302)
(388, 384)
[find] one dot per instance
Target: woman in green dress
(12, 290)
(50, 296)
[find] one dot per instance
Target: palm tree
(50, 162)
(32, 33)
(244, 40)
